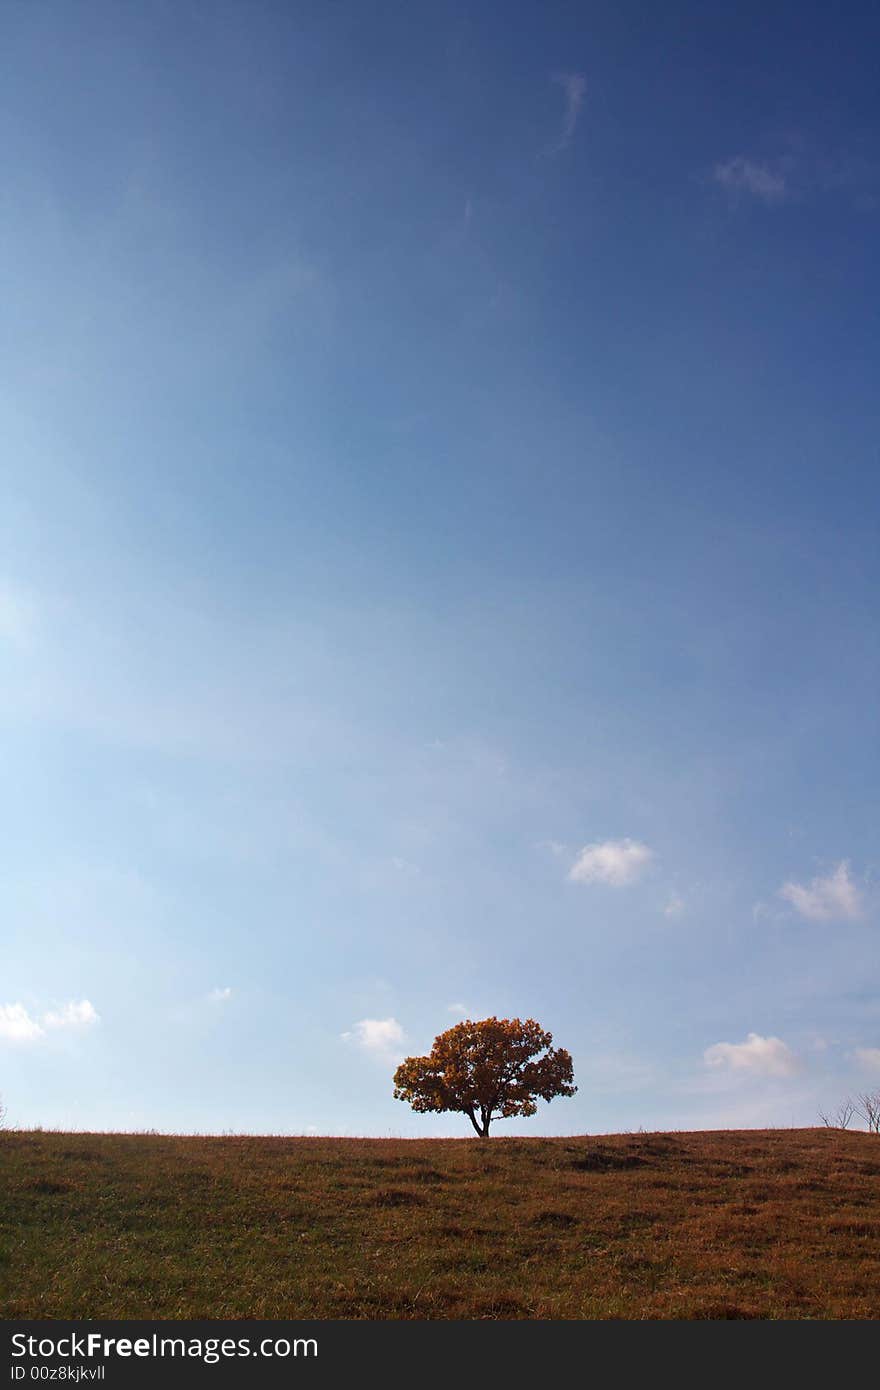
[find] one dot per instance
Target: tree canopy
(493, 1069)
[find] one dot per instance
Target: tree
(487, 1070)
(843, 1117)
(868, 1107)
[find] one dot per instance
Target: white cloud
(741, 175)
(459, 1009)
(574, 85)
(617, 862)
(220, 994)
(760, 1056)
(16, 1024)
(825, 899)
(76, 1014)
(868, 1057)
(675, 906)
(382, 1037)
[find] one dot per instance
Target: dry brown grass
(731, 1224)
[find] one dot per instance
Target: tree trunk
(482, 1125)
(473, 1119)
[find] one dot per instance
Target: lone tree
(487, 1070)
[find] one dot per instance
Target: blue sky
(438, 557)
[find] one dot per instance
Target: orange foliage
(486, 1070)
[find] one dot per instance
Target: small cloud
(740, 175)
(16, 1024)
(554, 847)
(616, 862)
(825, 899)
(868, 1057)
(574, 85)
(220, 994)
(760, 1056)
(79, 1014)
(675, 906)
(459, 1009)
(404, 866)
(767, 912)
(382, 1037)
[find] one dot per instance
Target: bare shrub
(867, 1107)
(842, 1117)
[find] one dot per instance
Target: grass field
(730, 1224)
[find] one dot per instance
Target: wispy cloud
(763, 912)
(743, 176)
(574, 86)
(835, 897)
(76, 1014)
(802, 169)
(554, 847)
(18, 1025)
(404, 866)
(868, 1057)
(674, 907)
(760, 1056)
(615, 862)
(459, 1009)
(220, 994)
(381, 1037)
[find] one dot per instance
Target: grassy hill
(778, 1224)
